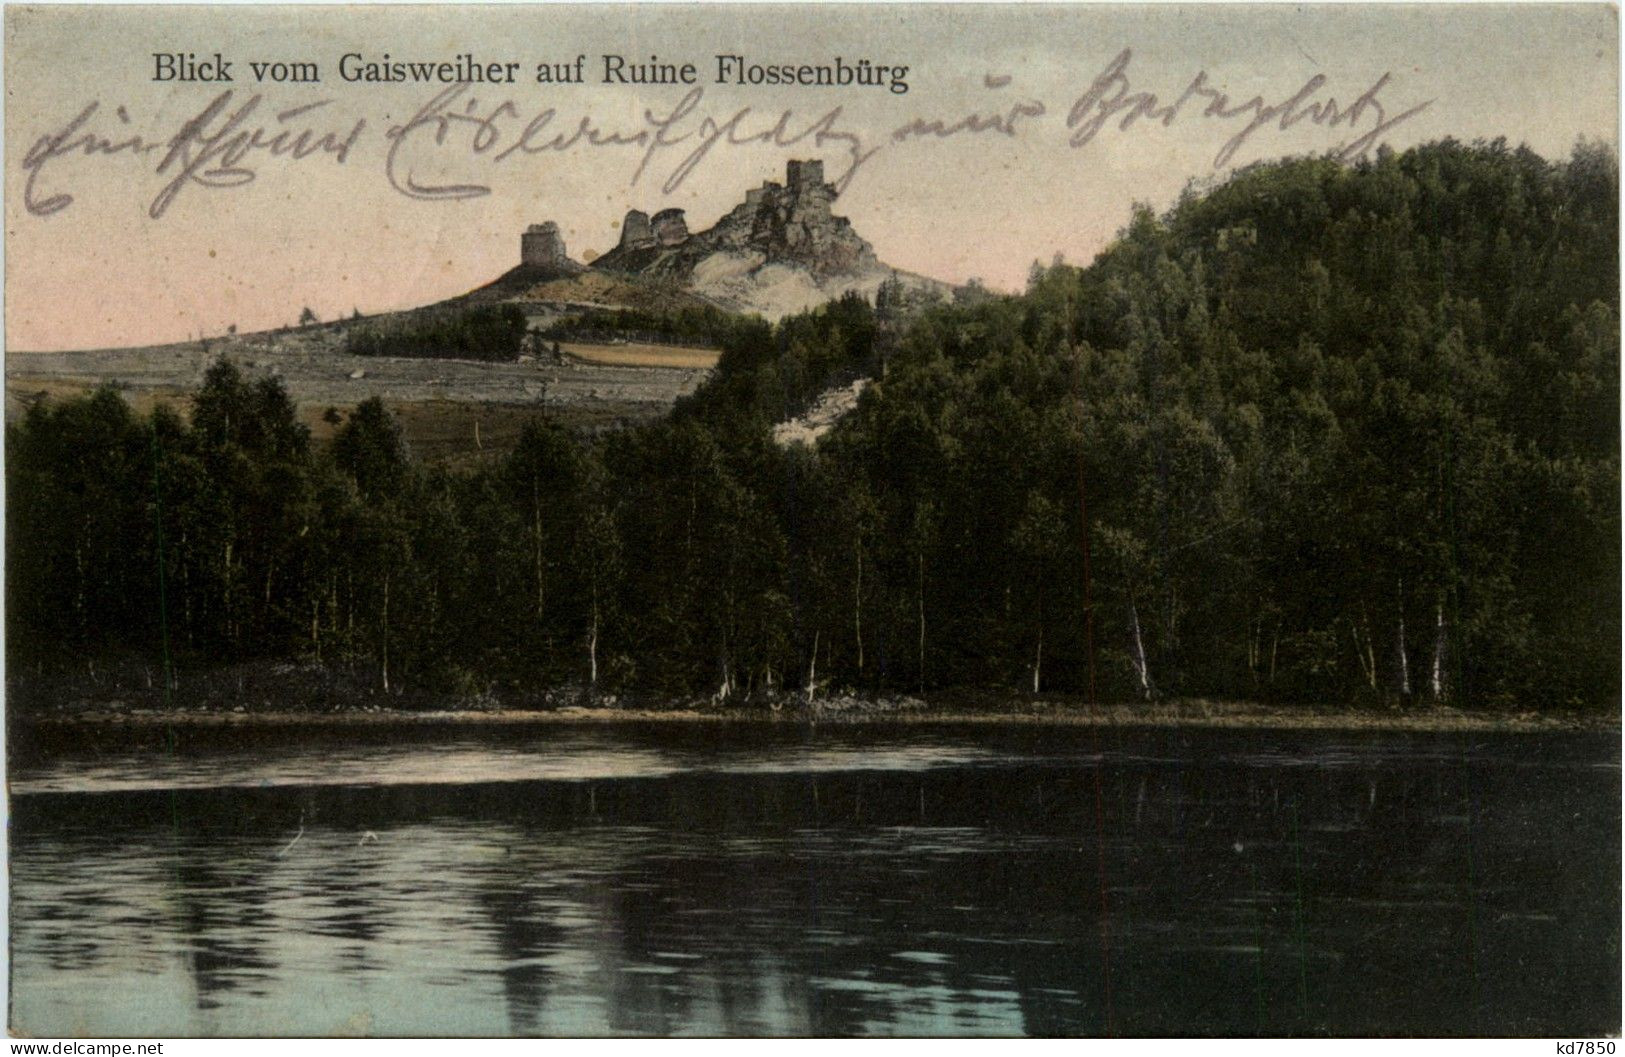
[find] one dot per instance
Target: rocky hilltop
(790, 224)
(779, 251)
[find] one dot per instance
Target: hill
(782, 250)
(1321, 434)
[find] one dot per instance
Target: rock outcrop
(636, 231)
(792, 223)
(781, 250)
(670, 228)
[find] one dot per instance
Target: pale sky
(101, 271)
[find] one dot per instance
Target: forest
(685, 326)
(491, 333)
(1319, 433)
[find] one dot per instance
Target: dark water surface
(725, 880)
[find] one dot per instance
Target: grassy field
(635, 355)
(451, 410)
(22, 392)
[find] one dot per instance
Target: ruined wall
(542, 245)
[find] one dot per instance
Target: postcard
(813, 520)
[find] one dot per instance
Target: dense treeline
(1322, 433)
(492, 333)
(703, 326)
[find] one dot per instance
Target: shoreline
(1187, 714)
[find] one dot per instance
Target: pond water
(787, 881)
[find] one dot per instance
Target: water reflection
(1157, 883)
(137, 760)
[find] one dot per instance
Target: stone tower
(543, 246)
(804, 174)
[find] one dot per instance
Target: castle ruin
(804, 175)
(792, 222)
(542, 246)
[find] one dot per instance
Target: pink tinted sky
(336, 237)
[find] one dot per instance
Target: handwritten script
(438, 153)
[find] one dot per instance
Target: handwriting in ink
(1109, 98)
(223, 145)
(209, 149)
(213, 157)
(73, 139)
(455, 122)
